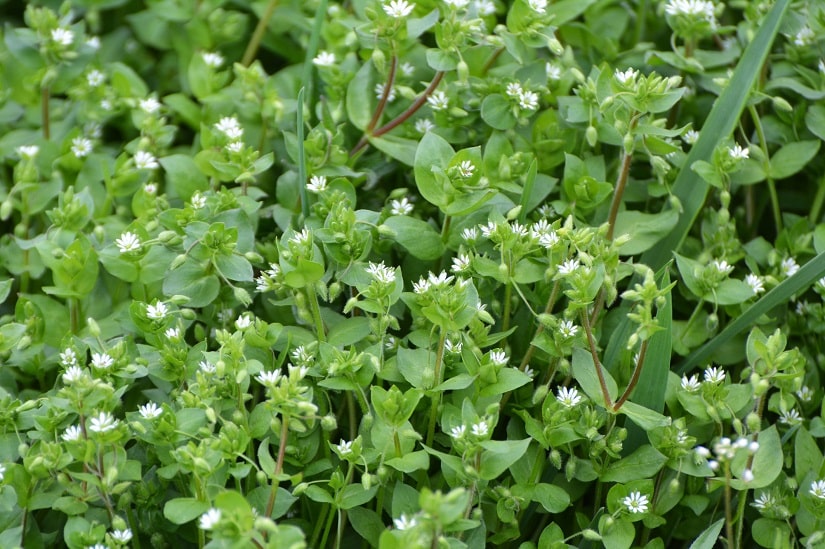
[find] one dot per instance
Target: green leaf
(792, 157)
(418, 26)
(412, 362)
(183, 175)
(265, 458)
(644, 229)
(807, 456)
(417, 236)
(408, 463)
(399, 148)
(767, 462)
(771, 533)
(497, 112)
(5, 288)
(349, 331)
(644, 417)
(508, 379)
(498, 455)
(359, 97)
(306, 274)
(584, 371)
(191, 280)
(433, 152)
(643, 463)
(815, 120)
(553, 498)
(616, 534)
(354, 495)
(234, 267)
(367, 523)
(183, 510)
(441, 60)
(709, 538)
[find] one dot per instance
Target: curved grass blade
(689, 188)
(804, 277)
(302, 169)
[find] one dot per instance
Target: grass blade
(689, 188)
(804, 277)
(302, 168)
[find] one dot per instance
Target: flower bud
(94, 329)
(166, 237)
(300, 489)
(5, 209)
(261, 478)
(177, 262)
(22, 449)
(253, 257)
(242, 295)
(628, 142)
(188, 314)
(379, 60)
(463, 71)
(753, 422)
(591, 535)
(712, 322)
(781, 104)
(329, 423)
(540, 394)
(554, 45)
(591, 135)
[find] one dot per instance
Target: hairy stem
(634, 379)
(385, 95)
(279, 465)
(608, 402)
(258, 34)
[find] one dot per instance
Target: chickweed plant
(412, 274)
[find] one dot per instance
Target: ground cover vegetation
(412, 273)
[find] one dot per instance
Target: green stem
(728, 515)
(279, 465)
(551, 301)
(760, 133)
(641, 19)
(621, 183)
(608, 402)
(327, 529)
(74, 314)
(634, 379)
(401, 118)
(316, 313)
(436, 397)
(385, 95)
(258, 34)
(44, 112)
(819, 199)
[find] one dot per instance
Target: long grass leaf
(689, 188)
(804, 277)
(312, 50)
(302, 169)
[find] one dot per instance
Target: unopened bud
(463, 71)
(591, 134)
(177, 262)
(555, 46)
(94, 329)
(253, 257)
(5, 209)
(591, 535)
(781, 104)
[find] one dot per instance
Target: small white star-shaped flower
(209, 519)
(818, 489)
(128, 242)
(690, 384)
(402, 206)
(150, 410)
(81, 147)
(73, 433)
(62, 36)
(156, 311)
(398, 8)
(636, 502)
(324, 59)
(146, 161)
(317, 184)
(212, 59)
(714, 375)
(404, 522)
(568, 396)
(102, 361)
(480, 429)
(103, 423)
(755, 282)
(737, 152)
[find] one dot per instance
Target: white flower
(821, 66)
(62, 36)
(714, 375)
(401, 207)
(458, 432)
(548, 240)
(68, 357)
(461, 263)
(73, 374)
(2, 472)
(569, 266)
(97, 546)
(470, 234)
(755, 282)
(198, 201)
(702, 451)
(212, 59)
(297, 373)
(344, 447)
(539, 6)
(81, 147)
(381, 273)
(738, 153)
(691, 385)
(379, 92)
(157, 310)
(150, 410)
(102, 361)
(407, 69)
(480, 429)
(790, 417)
(636, 502)
(747, 475)
(466, 169)
(317, 184)
(529, 101)
(424, 125)
(457, 4)
(553, 71)
(721, 266)
(804, 37)
(818, 489)
(209, 519)
(626, 77)
(93, 42)
(324, 59)
(123, 536)
(73, 433)
(764, 501)
(438, 101)
(151, 189)
(498, 358)
(485, 7)
(440, 280)
(805, 394)
(243, 322)
(268, 378)
(567, 329)
(145, 161)
(230, 127)
(301, 238)
(27, 151)
(514, 89)
(398, 8)
(206, 367)
(173, 333)
(453, 348)
(128, 242)
(789, 266)
(103, 423)
(690, 137)
(149, 105)
(95, 78)
(568, 396)
(404, 522)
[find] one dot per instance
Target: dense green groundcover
(412, 273)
